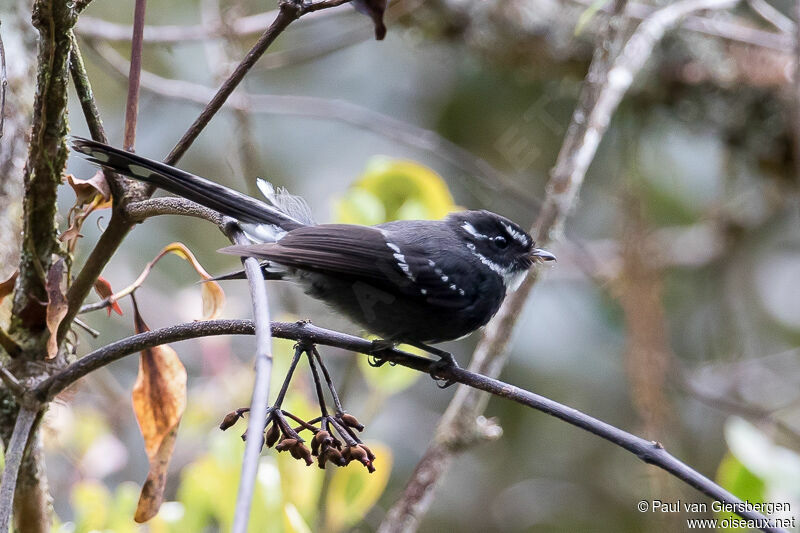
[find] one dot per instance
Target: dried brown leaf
(103, 289)
(212, 293)
(87, 190)
(159, 399)
(56, 304)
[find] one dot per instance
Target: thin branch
(11, 382)
(766, 11)
(13, 457)
(259, 403)
(171, 205)
(132, 103)
(94, 28)
(119, 226)
(648, 451)
(85, 94)
(336, 110)
(608, 79)
(287, 13)
(730, 30)
(83, 87)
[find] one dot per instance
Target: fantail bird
(409, 281)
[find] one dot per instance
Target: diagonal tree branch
(288, 12)
(648, 451)
(119, 225)
(606, 83)
(336, 110)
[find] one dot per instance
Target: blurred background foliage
(673, 312)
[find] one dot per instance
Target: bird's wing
(358, 252)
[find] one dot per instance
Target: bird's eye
(500, 242)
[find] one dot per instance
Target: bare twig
(85, 94)
(11, 382)
(608, 79)
(287, 13)
(730, 30)
(337, 110)
(170, 205)
(766, 11)
(258, 405)
(119, 225)
(83, 87)
(14, 452)
(648, 451)
(132, 104)
(94, 28)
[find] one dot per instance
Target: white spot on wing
(140, 171)
(100, 156)
(401, 260)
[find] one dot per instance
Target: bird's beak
(539, 255)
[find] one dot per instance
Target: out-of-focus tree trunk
(32, 158)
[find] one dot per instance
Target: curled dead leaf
(103, 289)
(212, 293)
(56, 304)
(159, 399)
(87, 190)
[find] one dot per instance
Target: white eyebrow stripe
(516, 235)
(469, 228)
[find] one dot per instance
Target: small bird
(417, 282)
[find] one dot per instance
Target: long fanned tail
(205, 192)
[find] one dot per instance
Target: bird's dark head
(499, 243)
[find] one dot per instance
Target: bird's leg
(379, 345)
(446, 361)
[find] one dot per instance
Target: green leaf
(91, 502)
(758, 470)
(353, 490)
(392, 189)
(735, 477)
(587, 15)
(293, 521)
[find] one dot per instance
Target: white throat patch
(512, 279)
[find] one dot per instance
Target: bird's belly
(396, 317)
